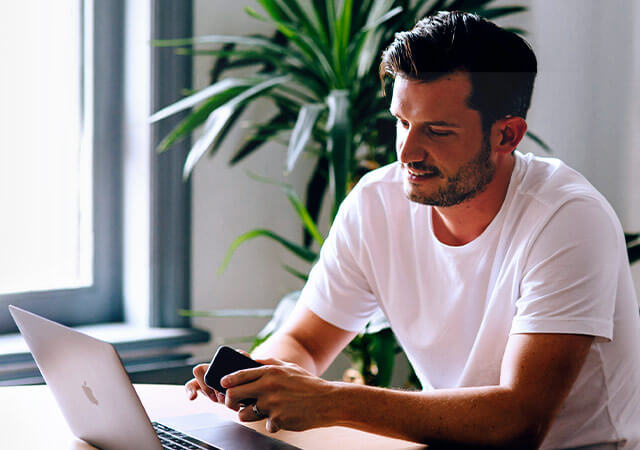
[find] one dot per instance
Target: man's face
(445, 157)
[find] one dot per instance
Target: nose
(408, 149)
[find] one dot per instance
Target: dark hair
(501, 65)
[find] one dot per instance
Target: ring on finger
(259, 414)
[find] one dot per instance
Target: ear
(506, 133)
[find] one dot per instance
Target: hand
(197, 384)
(287, 395)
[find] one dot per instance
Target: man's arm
(537, 373)
(305, 340)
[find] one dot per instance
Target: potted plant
(319, 69)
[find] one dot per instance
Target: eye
(402, 123)
(433, 132)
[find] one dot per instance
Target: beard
(471, 179)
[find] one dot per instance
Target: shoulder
(550, 181)
(552, 197)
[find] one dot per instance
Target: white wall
(583, 104)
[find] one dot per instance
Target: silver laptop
(98, 401)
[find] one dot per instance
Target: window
(45, 176)
(69, 191)
(57, 183)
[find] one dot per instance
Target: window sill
(141, 349)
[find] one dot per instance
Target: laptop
(98, 401)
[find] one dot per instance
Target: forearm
(286, 348)
(485, 416)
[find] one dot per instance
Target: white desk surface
(30, 419)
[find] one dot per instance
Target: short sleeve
(571, 272)
(337, 289)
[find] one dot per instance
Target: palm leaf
(535, 138)
(493, 13)
(339, 144)
(420, 11)
(215, 89)
(468, 5)
(196, 118)
(315, 55)
(275, 11)
(263, 133)
(302, 132)
(297, 11)
(296, 273)
(217, 120)
(297, 204)
(343, 34)
(221, 64)
(296, 249)
(249, 41)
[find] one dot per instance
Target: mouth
(420, 175)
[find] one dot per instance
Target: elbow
(521, 436)
(527, 435)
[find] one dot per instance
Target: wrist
(341, 400)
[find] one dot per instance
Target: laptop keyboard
(175, 440)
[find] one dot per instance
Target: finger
(247, 414)
(271, 362)
(242, 377)
(272, 426)
(239, 350)
(192, 388)
(198, 372)
(238, 396)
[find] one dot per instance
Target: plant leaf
(262, 134)
(224, 313)
(339, 144)
(275, 11)
(297, 204)
(299, 251)
(296, 273)
(437, 6)
(468, 5)
(219, 117)
(382, 350)
(382, 19)
(196, 118)
(302, 132)
(535, 138)
(250, 41)
(630, 237)
(494, 13)
(316, 189)
(192, 100)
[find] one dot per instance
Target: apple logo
(89, 393)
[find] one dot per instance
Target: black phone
(226, 361)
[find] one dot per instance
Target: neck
(462, 223)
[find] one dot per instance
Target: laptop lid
(98, 401)
(89, 384)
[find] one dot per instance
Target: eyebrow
(436, 123)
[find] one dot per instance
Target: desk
(30, 419)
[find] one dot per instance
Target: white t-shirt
(553, 260)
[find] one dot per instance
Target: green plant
(319, 70)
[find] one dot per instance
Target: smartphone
(226, 361)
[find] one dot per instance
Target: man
(504, 276)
